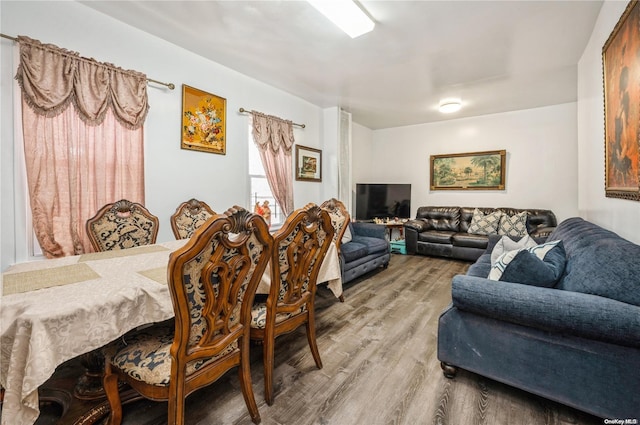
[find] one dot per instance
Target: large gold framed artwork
(204, 117)
(468, 171)
(621, 65)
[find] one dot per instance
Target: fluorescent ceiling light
(448, 106)
(346, 15)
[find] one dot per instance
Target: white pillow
(347, 235)
(506, 244)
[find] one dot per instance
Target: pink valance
(271, 132)
(52, 77)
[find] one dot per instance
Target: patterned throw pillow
(482, 224)
(541, 265)
(514, 225)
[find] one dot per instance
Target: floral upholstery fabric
(259, 315)
(338, 221)
(284, 250)
(196, 292)
(121, 231)
(144, 355)
(187, 222)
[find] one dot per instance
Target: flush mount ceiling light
(448, 106)
(346, 15)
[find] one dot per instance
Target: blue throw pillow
(541, 265)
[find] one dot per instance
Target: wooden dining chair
(189, 216)
(299, 248)
(212, 281)
(340, 220)
(120, 225)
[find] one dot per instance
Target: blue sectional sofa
(576, 342)
(367, 249)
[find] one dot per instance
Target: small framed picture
(308, 164)
(203, 121)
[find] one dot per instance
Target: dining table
(55, 310)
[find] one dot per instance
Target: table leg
(89, 385)
(79, 375)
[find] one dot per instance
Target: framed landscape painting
(621, 66)
(468, 171)
(203, 121)
(308, 164)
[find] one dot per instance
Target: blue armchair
(366, 250)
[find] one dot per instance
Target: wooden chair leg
(244, 374)
(311, 338)
(110, 383)
(175, 408)
(268, 359)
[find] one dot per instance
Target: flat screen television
(382, 201)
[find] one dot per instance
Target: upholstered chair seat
(259, 315)
(145, 355)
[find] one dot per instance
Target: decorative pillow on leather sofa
(482, 224)
(513, 225)
(541, 265)
(506, 244)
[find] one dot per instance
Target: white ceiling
(496, 55)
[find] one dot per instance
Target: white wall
(172, 175)
(618, 215)
(541, 163)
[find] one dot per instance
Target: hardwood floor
(380, 367)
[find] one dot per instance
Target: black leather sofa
(443, 231)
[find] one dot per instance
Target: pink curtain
(274, 138)
(83, 140)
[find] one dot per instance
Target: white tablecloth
(44, 328)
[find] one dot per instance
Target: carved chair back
(189, 216)
(120, 225)
(339, 219)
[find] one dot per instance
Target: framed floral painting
(203, 121)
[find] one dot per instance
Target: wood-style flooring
(380, 367)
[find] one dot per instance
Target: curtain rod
(170, 85)
(242, 110)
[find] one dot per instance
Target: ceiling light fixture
(346, 15)
(448, 106)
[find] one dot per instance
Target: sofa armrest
(542, 232)
(416, 225)
(371, 230)
(555, 310)
(411, 230)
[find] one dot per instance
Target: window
(260, 190)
